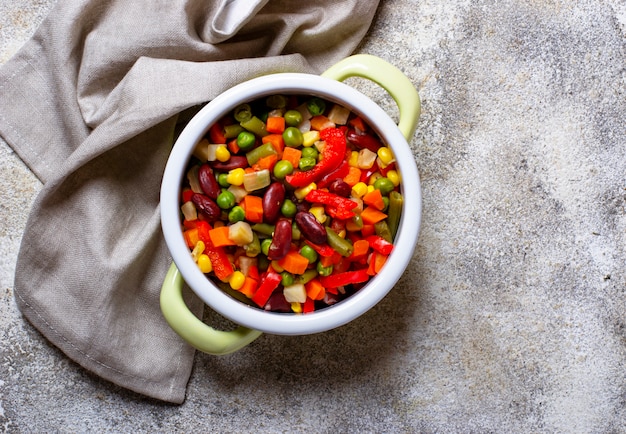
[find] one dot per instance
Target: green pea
(237, 214)
(265, 246)
(292, 137)
(222, 180)
(288, 208)
(384, 185)
(283, 168)
(296, 234)
(287, 278)
(225, 200)
(324, 271)
(246, 140)
(306, 163)
(293, 118)
(310, 152)
(316, 106)
(309, 253)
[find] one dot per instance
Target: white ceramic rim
(344, 311)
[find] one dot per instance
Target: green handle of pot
(191, 329)
(389, 78)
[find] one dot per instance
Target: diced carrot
(266, 162)
(367, 230)
(249, 287)
(321, 122)
(276, 140)
(294, 262)
(191, 237)
(374, 198)
(219, 237)
(353, 176)
(216, 134)
(314, 289)
(292, 155)
(376, 263)
(233, 147)
(358, 123)
(253, 206)
(371, 215)
(360, 249)
(275, 124)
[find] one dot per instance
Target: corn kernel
(385, 155)
(236, 280)
(318, 212)
(204, 263)
(310, 137)
(222, 153)
(370, 188)
(235, 176)
(394, 177)
(296, 307)
(359, 189)
(301, 193)
(373, 177)
(197, 250)
(353, 161)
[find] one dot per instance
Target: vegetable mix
(291, 203)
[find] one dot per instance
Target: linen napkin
(91, 104)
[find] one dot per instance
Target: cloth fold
(91, 105)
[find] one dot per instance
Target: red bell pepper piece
(327, 198)
(321, 249)
(333, 155)
(345, 278)
(339, 173)
(380, 244)
(269, 283)
(216, 134)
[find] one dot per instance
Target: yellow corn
(359, 189)
(204, 263)
(318, 212)
(394, 177)
(370, 188)
(235, 176)
(310, 137)
(374, 177)
(222, 153)
(301, 193)
(236, 280)
(385, 155)
(353, 161)
(296, 307)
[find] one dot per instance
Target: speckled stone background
(511, 316)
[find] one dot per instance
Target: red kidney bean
(272, 201)
(340, 187)
(363, 140)
(206, 207)
(278, 303)
(234, 162)
(208, 183)
(311, 229)
(281, 240)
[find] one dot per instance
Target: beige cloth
(90, 103)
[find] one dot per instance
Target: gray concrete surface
(511, 317)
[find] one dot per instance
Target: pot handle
(191, 329)
(389, 78)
